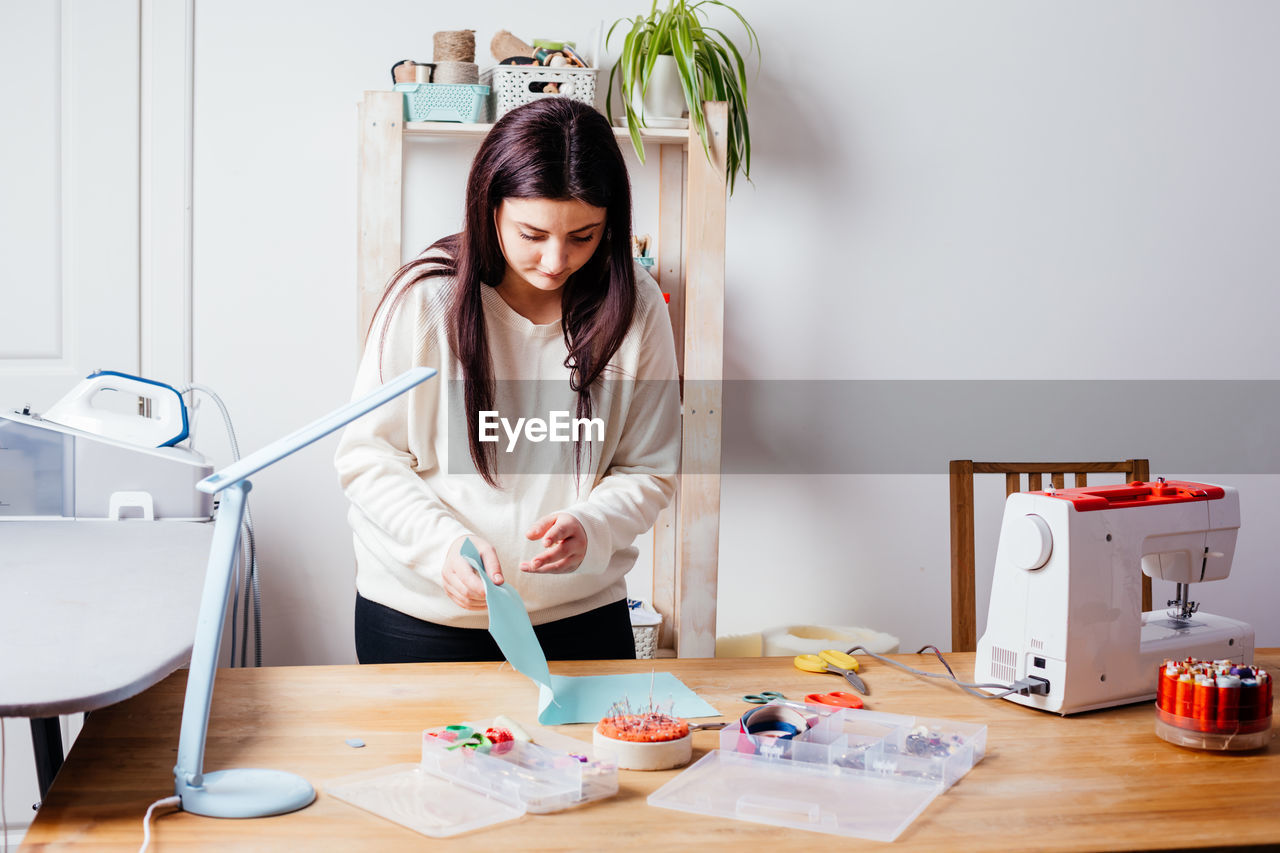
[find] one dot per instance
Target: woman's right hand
(460, 581)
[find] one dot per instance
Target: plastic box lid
(797, 794)
(410, 796)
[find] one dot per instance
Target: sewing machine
(1066, 595)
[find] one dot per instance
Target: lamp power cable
(247, 566)
(146, 819)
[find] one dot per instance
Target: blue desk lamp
(246, 792)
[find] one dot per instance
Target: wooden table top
(1095, 781)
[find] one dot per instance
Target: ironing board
(92, 612)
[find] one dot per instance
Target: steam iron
(85, 408)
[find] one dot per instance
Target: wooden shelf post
(379, 192)
(698, 505)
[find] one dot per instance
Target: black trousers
(385, 635)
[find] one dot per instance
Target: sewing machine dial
(1030, 541)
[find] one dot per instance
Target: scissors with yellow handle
(834, 661)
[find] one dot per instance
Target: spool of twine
(404, 71)
(455, 46)
(505, 46)
(456, 72)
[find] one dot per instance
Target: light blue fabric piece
(587, 698)
(566, 698)
(509, 623)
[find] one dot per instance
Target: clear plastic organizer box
(543, 779)
(452, 791)
(859, 773)
(460, 102)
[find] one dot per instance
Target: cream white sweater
(407, 472)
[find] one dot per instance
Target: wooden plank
(699, 508)
(461, 130)
(670, 270)
(964, 622)
(665, 545)
(1058, 479)
(1033, 482)
(378, 201)
(670, 274)
(1012, 484)
(1041, 467)
(1140, 471)
(1081, 480)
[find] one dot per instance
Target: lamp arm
(208, 639)
(314, 431)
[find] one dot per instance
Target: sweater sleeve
(640, 477)
(384, 456)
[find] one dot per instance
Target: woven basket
(646, 640)
(645, 623)
(510, 85)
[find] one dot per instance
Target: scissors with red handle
(836, 697)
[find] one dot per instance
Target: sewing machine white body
(1066, 598)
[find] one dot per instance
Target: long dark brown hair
(554, 148)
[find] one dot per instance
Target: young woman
(535, 311)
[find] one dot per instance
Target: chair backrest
(964, 617)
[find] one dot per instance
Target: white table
(92, 612)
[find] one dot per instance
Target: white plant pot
(664, 98)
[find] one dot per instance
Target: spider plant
(709, 64)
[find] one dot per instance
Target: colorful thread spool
(765, 727)
(1217, 705)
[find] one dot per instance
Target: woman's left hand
(564, 541)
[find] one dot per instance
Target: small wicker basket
(645, 624)
(646, 640)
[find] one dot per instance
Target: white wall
(966, 191)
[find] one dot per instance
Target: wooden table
(1096, 781)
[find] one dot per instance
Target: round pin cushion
(644, 741)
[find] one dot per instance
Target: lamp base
(246, 792)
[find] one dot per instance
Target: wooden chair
(964, 620)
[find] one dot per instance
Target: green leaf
(741, 66)
(714, 75)
(608, 94)
(659, 45)
(682, 42)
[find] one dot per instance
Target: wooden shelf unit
(690, 267)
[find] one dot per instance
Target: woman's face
(545, 241)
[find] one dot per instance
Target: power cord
(1024, 686)
(146, 819)
(248, 552)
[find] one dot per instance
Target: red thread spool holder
(1208, 715)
